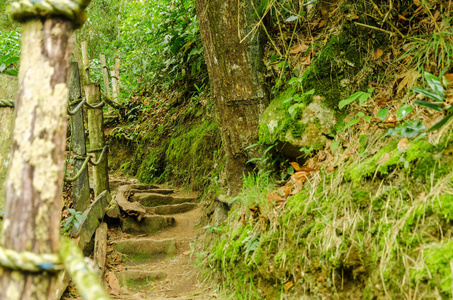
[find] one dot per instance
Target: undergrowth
(369, 229)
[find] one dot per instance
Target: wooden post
(100, 248)
(114, 84)
(34, 185)
(117, 75)
(105, 72)
(97, 141)
(86, 62)
(81, 187)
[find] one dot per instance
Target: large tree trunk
(34, 184)
(235, 76)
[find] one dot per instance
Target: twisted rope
(27, 9)
(29, 261)
(6, 103)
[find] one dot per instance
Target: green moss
(437, 269)
(361, 198)
(443, 205)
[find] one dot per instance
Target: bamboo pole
(81, 188)
(97, 140)
(105, 72)
(86, 62)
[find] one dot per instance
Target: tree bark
(34, 185)
(234, 65)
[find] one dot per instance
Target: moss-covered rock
(296, 124)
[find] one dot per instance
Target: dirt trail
(153, 258)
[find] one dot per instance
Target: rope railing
(6, 103)
(86, 162)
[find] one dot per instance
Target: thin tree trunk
(235, 76)
(34, 185)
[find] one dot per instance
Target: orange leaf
(113, 283)
(449, 78)
(403, 144)
(299, 48)
(384, 158)
(299, 176)
(295, 165)
(288, 285)
(378, 53)
(277, 198)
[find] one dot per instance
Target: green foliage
(436, 93)
(360, 96)
(74, 220)
(158, 41)
(9, 51)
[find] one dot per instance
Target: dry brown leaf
(299, 176)
(113, 283)
(297, 187)
(306, 60)
(449, 77)
(242, 219)
(381, 102)
(299, 48)
(384, 158)
(188, 252)
(322, 23)
(378, 53)
(391, 119)
(272, 197)
(295, 165)
(403, 144)
(408, 79)
(417, 2)
(401, 17)
(288, 285)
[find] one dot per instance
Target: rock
(152, 199)
(144, 186)
(294, 126)
(157, 191)
(130, 208)
(136, 277)
(148, 224)
(172, 209)
(146, 247)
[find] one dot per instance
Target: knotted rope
(23, 10)
(29, 261)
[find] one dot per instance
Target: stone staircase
(151, 252)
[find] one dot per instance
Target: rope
(99, 105)
(84, 166)
(85, 163)
(27, 9)
(29, 261)
(77, 109)
(6, 103)
(101, 157)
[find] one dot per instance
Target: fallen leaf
(299, 176)
(384, 158)
(391, 119)
(401, 17)
(378, 53)
(403, 144)
(272, 197)
(306, 60)
(288, 285)
(113, 283)
(322, 23)
(297, 187)
(407, 79)
(188, 252)
(295, 165)
(449, 77)
(299, 48)
(381, 102)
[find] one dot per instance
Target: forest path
(154, 257)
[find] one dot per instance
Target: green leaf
(72, 210)
(360, 114)
(441, 123)
(429, 94)
(348, 101)
(364, 97)
(334, 146)
(310, 92)
(382, 114)
(412, 129)
(368, 119)
(11, 60)
(12, 72)
(350, 123)
(403, 112)
(434, 83)
(429, 105)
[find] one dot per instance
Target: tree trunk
(235, 76)
(33, 190)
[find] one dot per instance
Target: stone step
(156, 191)
(153, 199)
(140, 249)
(138, 278)
(148, 224)
(172, 209)
(144, 186)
